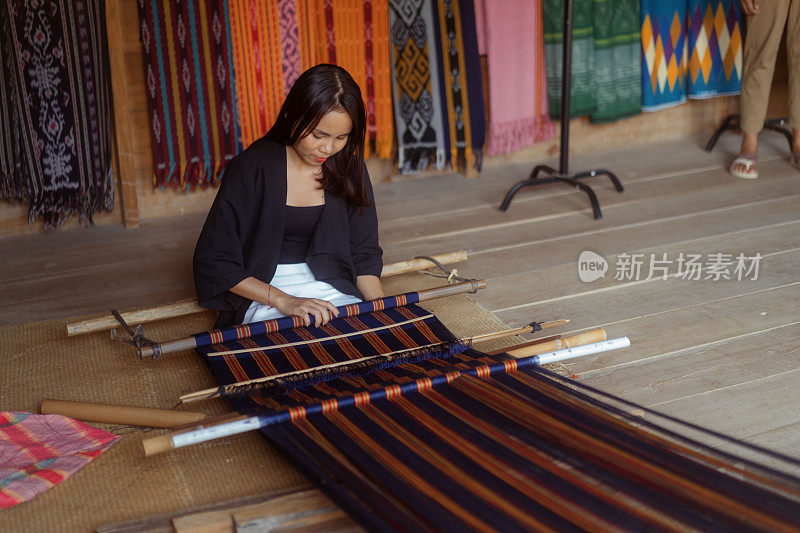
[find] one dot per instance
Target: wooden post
(125, 163)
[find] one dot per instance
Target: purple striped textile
(473, 442)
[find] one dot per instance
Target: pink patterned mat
(38, 452)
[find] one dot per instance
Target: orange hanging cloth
(272, 46)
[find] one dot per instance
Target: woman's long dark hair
(318, 91)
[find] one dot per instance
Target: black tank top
(299, 224)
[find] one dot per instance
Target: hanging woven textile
(55, 109)
(511, 34)
(715, 48)
(378, 91)
(190, 90)
(354, 34)
(583, 100)
(462, 83)
(272, 43)
(438, 102)
(606, 50)
(690, 47)
(454, 439)
(617, 60)
(664, 56)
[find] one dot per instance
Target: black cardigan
(244, 229)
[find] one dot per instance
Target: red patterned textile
(190, 90)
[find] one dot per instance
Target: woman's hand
(287, 304)
(750, 7)
(260, 292)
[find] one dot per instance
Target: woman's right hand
(287, 304)
(750, 7)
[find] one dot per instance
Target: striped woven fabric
(606, 71)
(273, 43)
(354, 34)
(288, 322)
(583, 100)
(437, 94)
(40, 451)
(55, 109)
(429, 446)
(378, 63)
(190, 90)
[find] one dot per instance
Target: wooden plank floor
(724, 354)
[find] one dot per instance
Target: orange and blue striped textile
(512, 450)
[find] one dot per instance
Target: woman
(766, 24)
(293, 229)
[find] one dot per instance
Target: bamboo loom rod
(479, 338)
(121, 414)
(414, 265)
(188, 343)
(190, 306)
(531, 349)
(245, 423)
(213, 392)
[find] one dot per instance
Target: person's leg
(764, 31)
(793, 63)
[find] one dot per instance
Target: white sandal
(748, 162)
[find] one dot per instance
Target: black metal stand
(563, 174)
(731, 122)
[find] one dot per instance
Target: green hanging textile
(606, 55)
(582, 97)
(617, 60)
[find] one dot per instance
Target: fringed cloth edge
(512, 136)
(57, 207)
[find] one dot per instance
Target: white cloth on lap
(296, 279)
